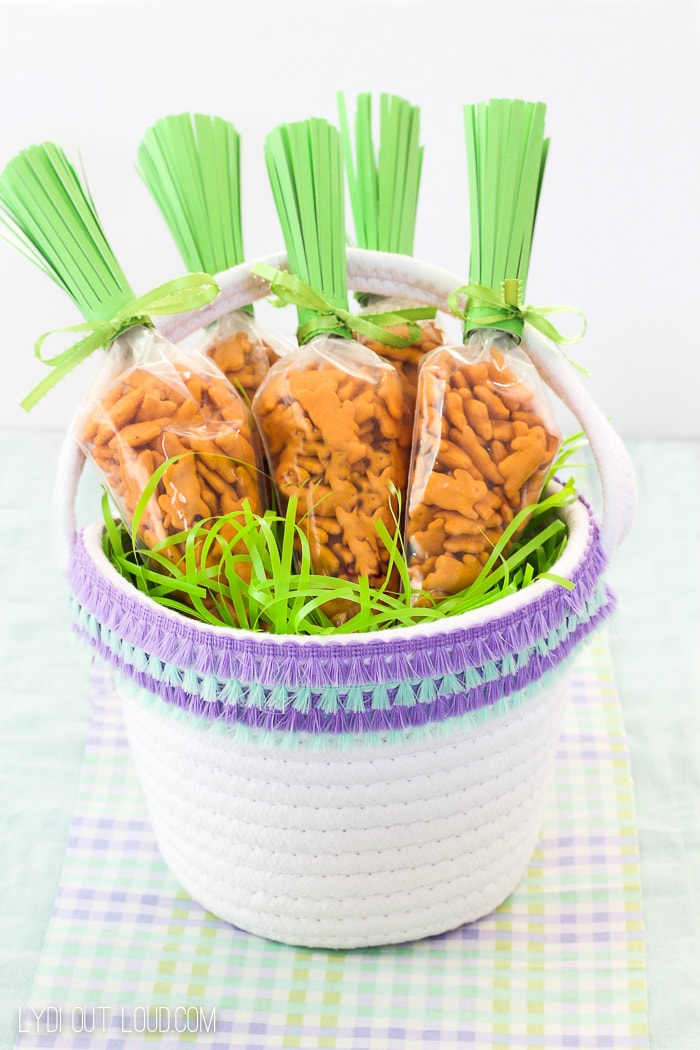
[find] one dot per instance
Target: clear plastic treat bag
(154, 402)
(484, 441)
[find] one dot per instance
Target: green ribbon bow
(173, 297)
(485, 308)
(334, 320)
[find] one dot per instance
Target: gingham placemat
(560, 964)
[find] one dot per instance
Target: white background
(618, 228)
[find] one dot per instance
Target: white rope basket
(340, 826)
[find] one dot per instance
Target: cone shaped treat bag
(173, 441)
(384, 186)
(333, 415)
(484, 435)
(191, 165)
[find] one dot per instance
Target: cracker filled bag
(191, 165)
(485, 436)
(173, 441)
(333, 415)
(383, 185)
(159, 407)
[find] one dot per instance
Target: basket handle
(402, 277)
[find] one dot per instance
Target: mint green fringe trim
(288, 740)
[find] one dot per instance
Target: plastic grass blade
(113, 534)
(383, 184)
(191, 165)
(149, 490)
(556, 578)
(52, 220)
(568, 448)
(304, 163)
(287, 550)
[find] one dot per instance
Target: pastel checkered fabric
(560, 964)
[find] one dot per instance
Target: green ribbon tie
(173, 297)
(486, 308)
(335, 320)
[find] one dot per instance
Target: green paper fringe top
(383, 183)
(52, 218)
(506, 157)
(304, 161)
(191, 165)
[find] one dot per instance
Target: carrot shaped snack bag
(191, 165)
(150, 401)
(483, 442)
(159, 403)
(484, 435)
(384, 198)
(333, 415)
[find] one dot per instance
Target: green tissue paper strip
(191, 164)
(383, 184)
(506, 156)
(52, 220)
(304, 162)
